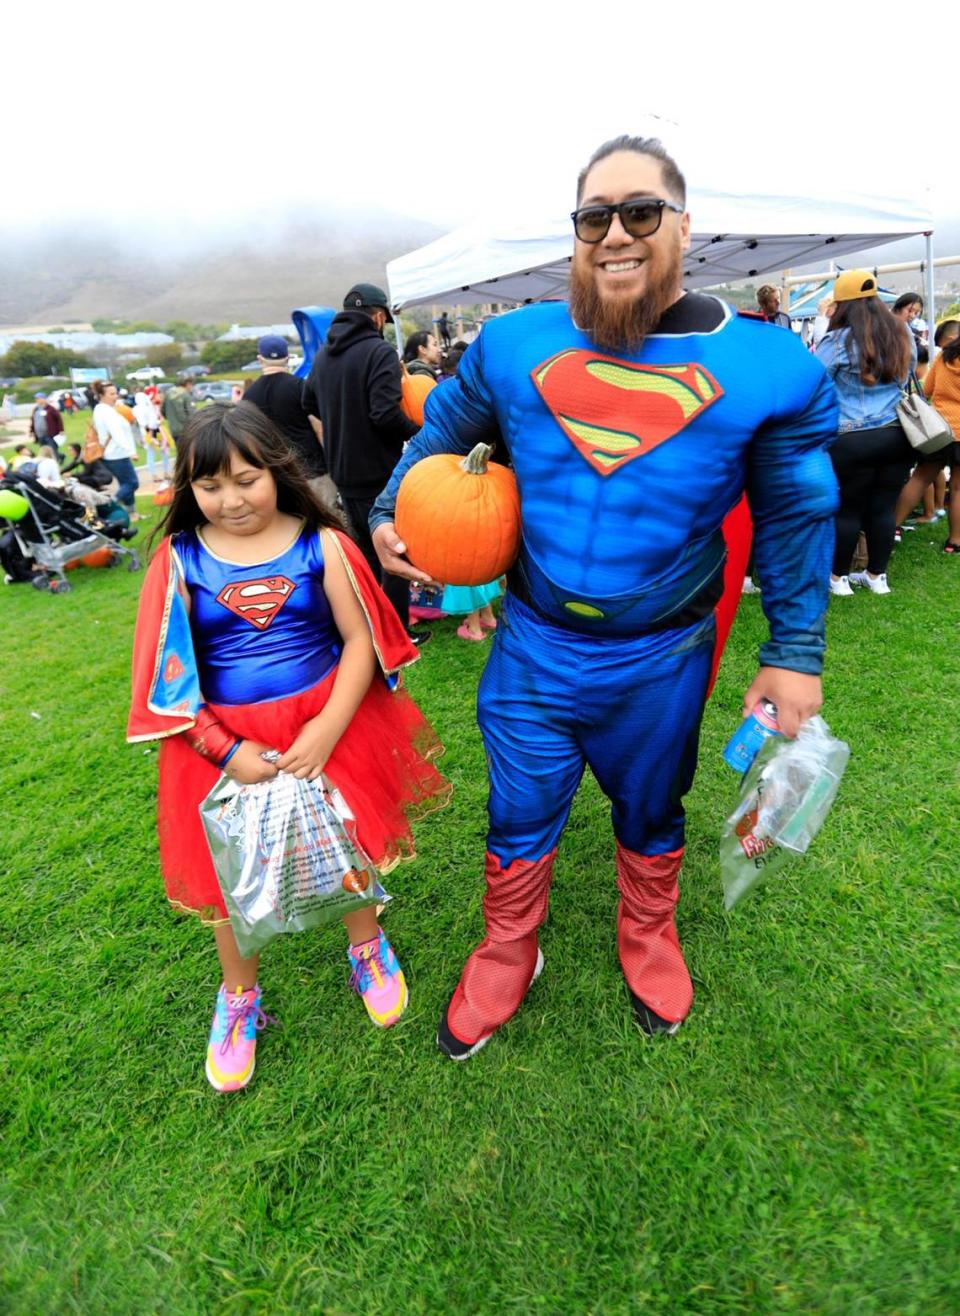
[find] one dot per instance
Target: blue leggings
(125, 473)
(552, 702)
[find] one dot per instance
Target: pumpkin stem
(475, 462)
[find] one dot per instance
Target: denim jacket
(862, 406)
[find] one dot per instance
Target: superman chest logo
(613, 411)
(257, 601)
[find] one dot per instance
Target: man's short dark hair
(673, 180)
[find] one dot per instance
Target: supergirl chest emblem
(613, 411)
(257, 601)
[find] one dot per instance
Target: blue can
(744, 745)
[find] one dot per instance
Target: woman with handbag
(869, 356)
(929, 468)
(119, 446)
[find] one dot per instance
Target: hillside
(65, 275)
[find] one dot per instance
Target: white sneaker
(749, 587)
(875, 584)
(840, 586)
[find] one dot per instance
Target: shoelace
(371, 963)
(239, 1011)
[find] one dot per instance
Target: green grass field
(793, 1149)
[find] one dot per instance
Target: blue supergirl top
(862, 406)
(628, 462)
(260, 632)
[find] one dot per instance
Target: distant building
(238, 331)
(89, 342)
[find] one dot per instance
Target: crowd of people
(875, 355)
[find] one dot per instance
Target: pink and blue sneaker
(378, 978)
(232, 1049)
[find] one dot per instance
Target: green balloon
(13, 505)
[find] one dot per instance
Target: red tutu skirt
(381, 764)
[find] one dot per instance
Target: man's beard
(620, 323)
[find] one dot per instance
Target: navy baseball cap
(367, 294)
(273, 348)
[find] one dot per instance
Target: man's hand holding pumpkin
(391, 551)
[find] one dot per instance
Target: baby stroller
(54, 530)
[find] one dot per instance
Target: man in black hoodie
(354, 391)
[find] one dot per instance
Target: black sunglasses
(639, 218)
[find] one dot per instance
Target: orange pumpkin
(163, 496)
(100, 557)
(413, 394)
(460, 517)
(355, 881)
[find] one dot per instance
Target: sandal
(466, 634)
(951, 547)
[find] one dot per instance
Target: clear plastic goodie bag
(786, 795)
(286, 857)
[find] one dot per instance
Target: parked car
(216, 390)
(194, 372)
(147, 374)
(78, 395)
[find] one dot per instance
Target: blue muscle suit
(627, 465)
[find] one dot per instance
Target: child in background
(474, 601)
(261, 627)
(48, 469)
(156, 438)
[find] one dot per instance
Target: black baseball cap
(367, 294)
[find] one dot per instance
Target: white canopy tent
(734, 236)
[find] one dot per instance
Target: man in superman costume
(635, 419)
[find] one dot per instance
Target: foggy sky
(183, 120)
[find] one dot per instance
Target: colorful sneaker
(378, 978)
(875, 584)
(232, 1049)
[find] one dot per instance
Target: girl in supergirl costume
(261, 627)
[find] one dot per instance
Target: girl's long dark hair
(205, 447)
(411, 349)
(883, 342)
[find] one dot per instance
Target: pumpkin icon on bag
(746, 824)
(355, 881)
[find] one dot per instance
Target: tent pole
(929, 305)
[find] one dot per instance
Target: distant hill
(80, 273)
(62, 276)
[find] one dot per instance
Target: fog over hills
(252, 270)
(248, 272)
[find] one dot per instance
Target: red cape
(738, 532)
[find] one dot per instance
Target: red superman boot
(650, 954)
(499, 973)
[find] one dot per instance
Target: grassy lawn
(793, 1149)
